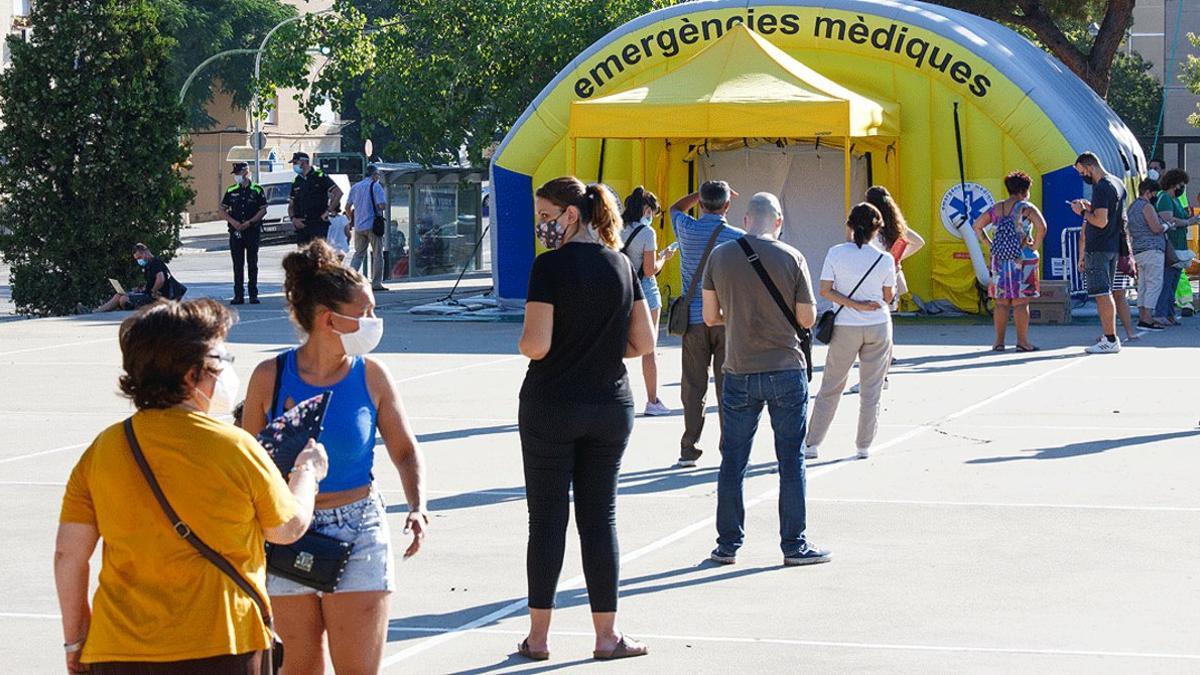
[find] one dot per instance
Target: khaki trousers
(872, 346)
(361, 239)
(702, 347)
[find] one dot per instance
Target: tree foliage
(90, 151)
(1091, 59)
(202, 28)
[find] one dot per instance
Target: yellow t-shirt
(158, 599)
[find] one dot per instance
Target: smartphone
(673, 246)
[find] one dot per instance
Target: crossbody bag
(378, 224)
(274, 662)
(315, 560)
(641, 272)
(829, 316)
(678, 312)
(803, 333)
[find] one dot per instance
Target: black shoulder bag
(677, 313)
(315, 560)
(829, 316)
(641, 273)
(274, 662)
(378, 223)
(803, 333)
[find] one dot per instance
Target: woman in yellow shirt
(160, 606)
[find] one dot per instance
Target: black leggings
(565, 444)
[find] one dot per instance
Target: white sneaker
(855, 389)
(810, 452)
(1105, 347)
(864, 453)
(656, 409)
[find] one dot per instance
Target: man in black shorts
(313, 195)
(159, 285)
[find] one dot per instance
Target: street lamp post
(257, 103)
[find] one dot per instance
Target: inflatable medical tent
(814, 100)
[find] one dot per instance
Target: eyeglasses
(225, 357)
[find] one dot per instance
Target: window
(21, 7)
(273, 112)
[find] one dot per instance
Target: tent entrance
(809, 181)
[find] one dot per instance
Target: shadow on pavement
(1087, 447)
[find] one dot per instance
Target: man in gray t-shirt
(764, 366)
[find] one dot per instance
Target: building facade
(215, 149)
(1159, 34)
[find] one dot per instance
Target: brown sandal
(524, 650)
(626, 648)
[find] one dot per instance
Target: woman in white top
(641, 207)
(863, 327)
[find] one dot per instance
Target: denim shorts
(650, 290)
(1099, 268)
(371, 567)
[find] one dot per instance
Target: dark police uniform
(243, 202)
(310, 200)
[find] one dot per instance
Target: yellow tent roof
(740, 86)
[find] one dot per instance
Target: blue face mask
(142, 262)
(296, 168)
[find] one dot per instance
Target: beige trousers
(872, 346)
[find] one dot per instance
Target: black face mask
(1180, 190)
(1087, 179)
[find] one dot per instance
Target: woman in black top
(585, 313)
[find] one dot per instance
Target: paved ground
(1021, 512)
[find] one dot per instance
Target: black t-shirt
(310, 194)
(243, 202)
(151, 271)
(1107, 194)
(592, 288)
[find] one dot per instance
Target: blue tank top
(349, 431)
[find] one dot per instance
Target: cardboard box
(1045, 313)
(1055, 291)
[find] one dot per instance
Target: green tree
(90, 151)
(1191, 77)
(1090, 59)
(201, 28)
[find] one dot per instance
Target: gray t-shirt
(1142, 238)
(758, 338)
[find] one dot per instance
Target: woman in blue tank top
(335, 309)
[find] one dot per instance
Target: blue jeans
(785, 394)
(1165, 307)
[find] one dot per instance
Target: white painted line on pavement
(20, 615)
(31, 455)
(848, 645)
(458, 368)
(1005, 505)
(518, 605)
(32, 483)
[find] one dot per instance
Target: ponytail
(601, 211)
(864, 222)
(636, 204)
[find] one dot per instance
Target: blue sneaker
(807, 555)
(721, 557)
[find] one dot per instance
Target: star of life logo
(962, 205)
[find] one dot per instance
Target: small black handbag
(315, 560)
(827, 319)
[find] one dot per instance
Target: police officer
(243, 207)
(313, 195)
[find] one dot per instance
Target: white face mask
(646, 220)
(363, 340)
(225, 391)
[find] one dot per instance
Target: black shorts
(139, 299)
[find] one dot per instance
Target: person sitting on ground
(1149, 247)
(159, 284)
(1014, 282)
(160, 606)
(764, 366)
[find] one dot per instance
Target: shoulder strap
(860, 282)
(766, 280)
(280, 362)
(691, 291)
(628, 242)
(186, 533)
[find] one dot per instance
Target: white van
(276, 226)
